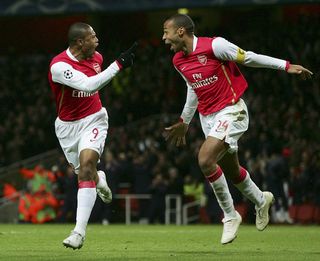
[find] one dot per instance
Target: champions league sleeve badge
(67, 74)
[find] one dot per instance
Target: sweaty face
(171, 36)
(90, 43)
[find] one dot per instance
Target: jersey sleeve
(227, 51)
(65, 74)
(191, 103)
(190, 106)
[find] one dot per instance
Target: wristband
(287, 66)
(119, 65)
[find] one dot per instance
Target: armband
(241, 55)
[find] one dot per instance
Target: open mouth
(171, 45)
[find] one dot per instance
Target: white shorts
(87, 133)
(228, 124)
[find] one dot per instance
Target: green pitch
(143, 242)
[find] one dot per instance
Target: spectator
(158, 190)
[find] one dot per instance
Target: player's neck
(188, 46)
(77, 53)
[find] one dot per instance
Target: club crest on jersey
(97, 67)
(202, 59)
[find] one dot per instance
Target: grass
(155, 242)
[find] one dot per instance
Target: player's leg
(95, 139)
(69, 144)
(210, 152)
(87, 178)
(241, 179)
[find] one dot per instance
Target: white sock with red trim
(86, 198)
(221, 190)
(249, 189)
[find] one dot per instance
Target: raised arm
(64, 73)
(227, 51)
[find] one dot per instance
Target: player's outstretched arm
(176, 133)
(64, 73)
(298, 69)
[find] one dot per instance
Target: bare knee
(210, 152)
(207, 164)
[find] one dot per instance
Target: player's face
(171, 36)
(90, 43)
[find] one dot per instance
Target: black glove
(126, 58)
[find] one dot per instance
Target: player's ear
(181, 31)
(80, 42)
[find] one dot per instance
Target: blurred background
(154, 182)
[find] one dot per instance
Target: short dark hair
(182, 20)
(77, 31)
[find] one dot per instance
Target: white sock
(221, 190)
(250, 190)
(102, 183)
(86, 200)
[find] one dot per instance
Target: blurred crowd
(281, 148)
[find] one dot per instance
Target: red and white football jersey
(216, 83)
(65, 75)
(213, 79)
